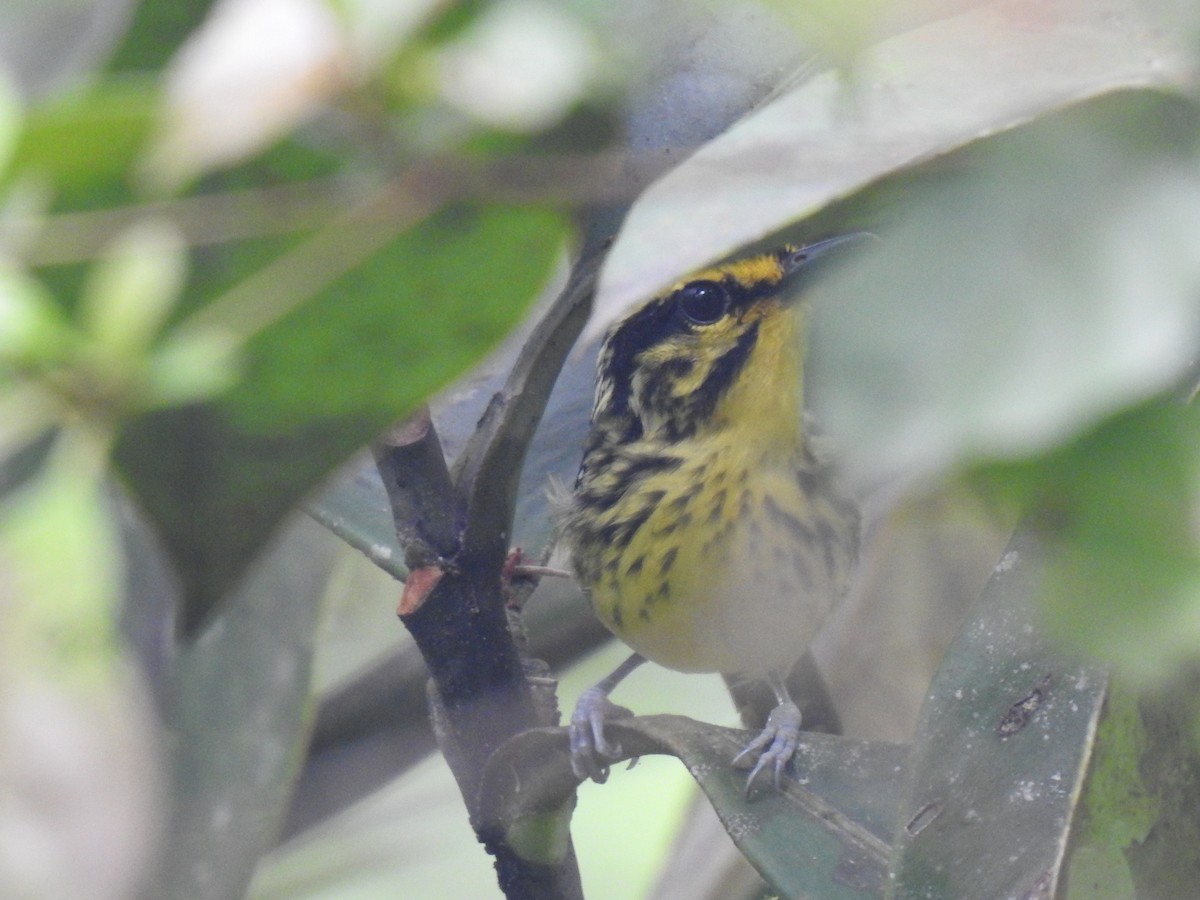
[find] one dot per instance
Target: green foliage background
(192, 345)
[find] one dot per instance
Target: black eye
(702, 302)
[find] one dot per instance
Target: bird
(707, 532)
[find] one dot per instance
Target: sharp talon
(775, 745)
(591, 752)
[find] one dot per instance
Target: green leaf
(824, 835)
(910, 99)
(1000, 752)
(60, 548)
(325, 378)
(10, 122)
(239, 716)
(1117, 505)
(156, 32)
(130, 292)
(1051, 280)
(88, 140)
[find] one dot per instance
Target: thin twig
(221, 217)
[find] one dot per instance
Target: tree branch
(455, 529)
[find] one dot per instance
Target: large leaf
(908, 100)
(87, 139)
(1116, 505)
(325, 378)
(239, 713)
(1052, 281)
(825, 834)
(1000, 753)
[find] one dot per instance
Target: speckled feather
(707, 534)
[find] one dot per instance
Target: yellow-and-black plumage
(707, 533)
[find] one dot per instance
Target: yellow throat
(707, 534)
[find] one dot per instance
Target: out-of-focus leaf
(156, 31)
(326, 378)
(1119, 809)
(547, 56)
(1052, 280)
(910, 99)
(1000, 753)
(87, 140)
(1117, 507)
(356, 508)
(81, 783)
(33, 330)
(239, 714)
(246, 77)
(825, 834)
(59, 547)
(46, 44)
(131, 291)
(10, 122)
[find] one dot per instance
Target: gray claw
(775, 745)
(591, 752)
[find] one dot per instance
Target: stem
(459, 523)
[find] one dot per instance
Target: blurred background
(238, 239)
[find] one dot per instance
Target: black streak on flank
(668, 560)
(828, 542)
(641, 466)
(620, 531)
(718, 506)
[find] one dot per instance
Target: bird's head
(721, 348)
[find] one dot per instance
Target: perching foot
(591, 753)
(775, 745)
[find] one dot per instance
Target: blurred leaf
(33, 330)
(48, 44)
(1117, 507)
(59, 547)
(326, 378)
(1053, 279)
(82, 785)
(10, 122)
(88, 139)
(156, 31)
(239, 720)
(824, 835)
(911, 99)
(132, 289)
(1141, 819)
(246, 77)
(1120, 808)
(1000, 753)
(356, 509)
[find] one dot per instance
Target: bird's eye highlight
(703, 302)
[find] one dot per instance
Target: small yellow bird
(708, 535)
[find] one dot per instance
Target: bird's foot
(591, 753)
(775, 745)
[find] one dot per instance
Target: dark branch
(425, 507)
(478, 689)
